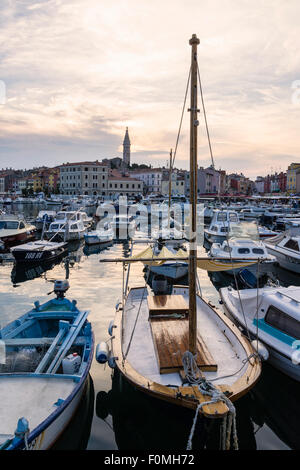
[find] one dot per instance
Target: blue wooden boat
(45, 358)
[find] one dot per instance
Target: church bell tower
(126, 150)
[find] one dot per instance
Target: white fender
(102, 352)
(260, 349)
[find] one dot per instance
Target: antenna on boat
(194, 42)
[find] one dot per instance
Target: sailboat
(180, 348)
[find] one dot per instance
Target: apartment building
(84, 178)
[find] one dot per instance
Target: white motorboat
(266, 233)
(170, 231)
(222, 222)
(251, 213)
(66, 226)
(15, 230)
(244, 249)
(270, 314)
(104, 235)
(38, 251)
(44, 218)
(171, 269)
(286, 248)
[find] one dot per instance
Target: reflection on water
(266, 417)
(275, 403)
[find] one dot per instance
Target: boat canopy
(149, 258)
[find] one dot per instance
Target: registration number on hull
(33, 255)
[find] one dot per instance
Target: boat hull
(95, 240)
(18, 238)
(276, 359)
(49, 433)
(171, 271)
(285, 261)
(170, 394)
(61, 236)
(38, 256)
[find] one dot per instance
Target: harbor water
(120, 417)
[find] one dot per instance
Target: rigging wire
(182, 113)
(204, 112)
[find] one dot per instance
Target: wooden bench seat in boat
(165, 305)
(170, 335)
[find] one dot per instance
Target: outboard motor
(60, 288)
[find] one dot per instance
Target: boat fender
(261, 349)
(111, 327)
(102, 353)
(112, 361)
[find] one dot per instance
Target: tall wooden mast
(194, 41)
(170, 187)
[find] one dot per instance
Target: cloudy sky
(77, 72)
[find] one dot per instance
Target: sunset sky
(77, 72)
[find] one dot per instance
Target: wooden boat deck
(171, 340)
(170, 334)
(165, 305)
(227, 355)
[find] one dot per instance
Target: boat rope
(236, 283)
(244, 361)
(257, 304)
(194, 376)
(26, 439)
(204, 112)
(182, 114)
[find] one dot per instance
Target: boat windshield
(222, 217)
(9, 224)
(244, 230)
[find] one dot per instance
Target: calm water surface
(123, 418)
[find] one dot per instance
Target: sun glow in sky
(77, 72)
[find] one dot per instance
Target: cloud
(77, 72)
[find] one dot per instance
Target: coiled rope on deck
(193, 376)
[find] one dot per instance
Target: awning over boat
(214, 265)
(150, 259)
(157, 259)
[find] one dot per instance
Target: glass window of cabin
(22, 225)
(221, 217)
(292, 245)
(258, 251)
(224, 229)
(233, 218)
(283, 322)
(243, 251)
(9, 225)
